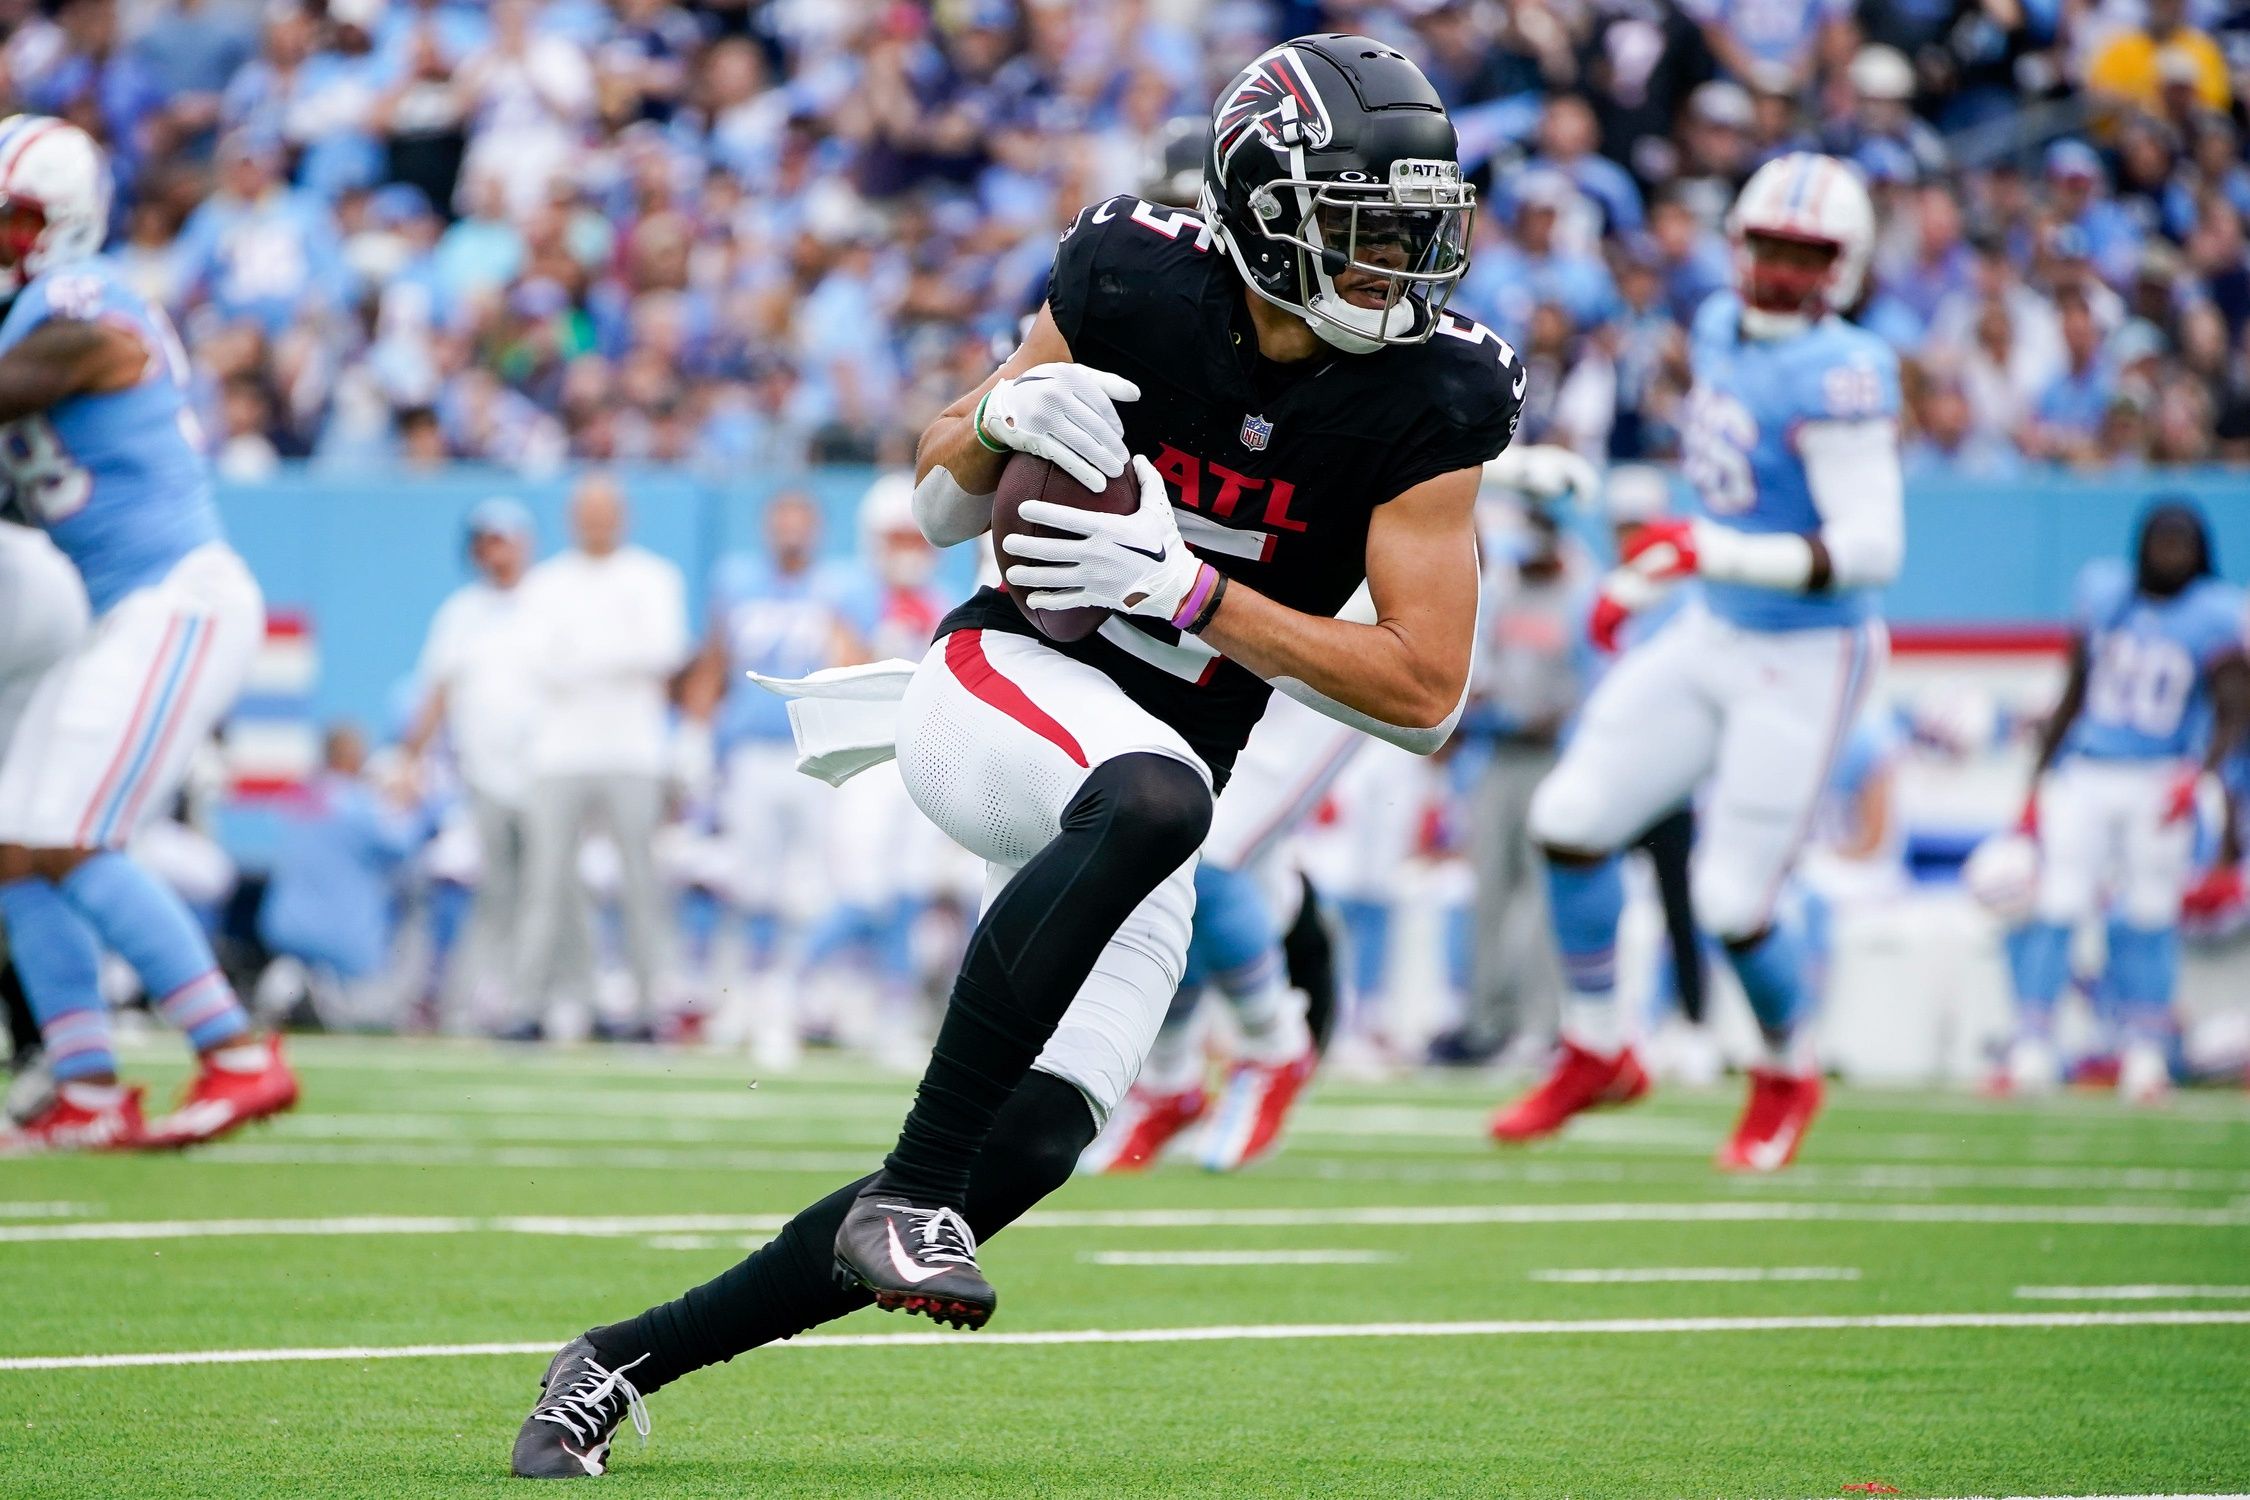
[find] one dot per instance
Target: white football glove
(1065, 414)
(1546, 472)
(1136, 562)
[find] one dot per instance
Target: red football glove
(1661, 549)
(2179, 797)
(1606, 621)
(2218, 892)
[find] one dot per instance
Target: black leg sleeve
(1135, 820)
(789, 1285)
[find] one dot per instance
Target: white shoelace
(580, 1410)
(941, 1234)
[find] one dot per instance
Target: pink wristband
(1191, 610)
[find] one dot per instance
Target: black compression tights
(789, 1284)
(1133, 822)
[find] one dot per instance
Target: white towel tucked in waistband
(844, 719)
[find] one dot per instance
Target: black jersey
(1274, 470)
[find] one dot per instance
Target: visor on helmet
(1379, 259)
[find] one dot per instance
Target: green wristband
(976, 424)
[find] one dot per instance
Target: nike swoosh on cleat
(902, 1263)
(1769, 1154)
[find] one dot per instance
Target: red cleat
(1581, 1081)
(221, 1100)
(1773, 1124)
(1253, 1109)
(68, 1126)
(1142, 1127)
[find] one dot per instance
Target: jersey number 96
(49, 484)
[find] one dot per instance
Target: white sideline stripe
(1221, 1333)
(1404, 1216)
(1703, 1273)
(1237, 1257)
(2131, 1293)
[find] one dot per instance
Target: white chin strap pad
(1758, 323)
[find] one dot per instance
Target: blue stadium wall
(367, 558)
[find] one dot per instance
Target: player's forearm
(65, 357)
(955, 474)
(1381, 670)
(2230, 710)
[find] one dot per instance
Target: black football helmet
(1334, 181)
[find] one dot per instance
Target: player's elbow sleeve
(1864, 555)
(947, 513)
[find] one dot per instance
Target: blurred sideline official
(604, 628)
(478, 688)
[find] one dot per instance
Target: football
(1029, 478)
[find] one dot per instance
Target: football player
(783, 614)
(2154, 704)
(1749, 691)
(1300, 413)
(100, 447)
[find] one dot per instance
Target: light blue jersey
(1749, 398)
(783, 625)
(2147, 688)
(119, 480)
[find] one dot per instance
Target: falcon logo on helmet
(54, 198)
(1333, 180)
(1803, 232)
(1273, 101)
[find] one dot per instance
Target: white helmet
(2002, 876)
(54, 198)
(886, 521)
(1803, 199)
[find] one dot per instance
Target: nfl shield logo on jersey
(1256, 432)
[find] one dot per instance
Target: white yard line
(2130, 1293)
(1638, 1274)
(1237, 1257)
(404, 1146)
(1403, 1216)
(1222, 1333)
(549, 1158)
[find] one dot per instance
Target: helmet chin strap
(1762, 323)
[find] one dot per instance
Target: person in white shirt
(477, 687)
(604, 627)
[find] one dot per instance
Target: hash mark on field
(22, 1210)
(1223, 1333)
(1397, 1217)
(1237, 1257)
(1702, 1273)
(2130, 1293)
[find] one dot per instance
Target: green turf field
(1972, 1299)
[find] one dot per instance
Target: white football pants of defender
(996, 734)
(774, 822)
(109, 732)
(1759, 715)
(2102, 828)
(1291, 761)
(42, 617)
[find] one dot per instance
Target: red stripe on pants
(964, 656)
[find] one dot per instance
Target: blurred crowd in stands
(776, 232)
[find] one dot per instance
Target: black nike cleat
(917, 1258)
(581, 1401)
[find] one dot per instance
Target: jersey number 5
(49, 484)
